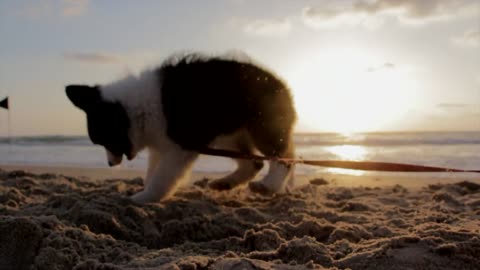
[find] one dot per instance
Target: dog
(188, 103)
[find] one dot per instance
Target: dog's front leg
(172, 166)
(153, 161)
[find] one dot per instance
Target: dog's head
(108, 123)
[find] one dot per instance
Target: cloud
(458, 108)
(373, 13)
(128, 62)
(37, 9)
(469, 39)
(264, 27)
(386, 65)
(334, 15)
(454, 105)
(74, 7)
(44, 8)
(413, 10)
(91, 57)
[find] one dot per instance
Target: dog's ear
(83, 96)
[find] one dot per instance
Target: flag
(4, 103)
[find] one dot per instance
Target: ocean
(459, 150)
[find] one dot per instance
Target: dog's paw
(220, 184)
(137, 198)
(142, 197)
(260, 188)
(203, 183)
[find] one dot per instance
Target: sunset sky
(353, 65)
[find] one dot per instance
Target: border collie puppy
(187, 104)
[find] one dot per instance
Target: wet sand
(67, 220)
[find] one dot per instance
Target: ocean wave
(390, 139)
(47, 140)
(313, 139)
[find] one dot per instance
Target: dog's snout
(112, 159)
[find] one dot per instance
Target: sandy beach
(72, 218)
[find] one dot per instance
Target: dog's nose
(110, 163)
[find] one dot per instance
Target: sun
(347, 91)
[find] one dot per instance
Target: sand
(52, 221)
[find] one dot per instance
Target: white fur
(142, 100)
(168, 163)
(275, 179)
(172, 166)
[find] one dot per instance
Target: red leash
(355, 165)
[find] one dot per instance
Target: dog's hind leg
(246, 169)
(274, 139)
(278, 173)
(153, 160)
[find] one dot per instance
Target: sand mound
(55, 222)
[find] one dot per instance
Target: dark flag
(4, 103)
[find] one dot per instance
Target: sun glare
(347, 152)
(346, 91)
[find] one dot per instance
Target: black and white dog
(189, 103)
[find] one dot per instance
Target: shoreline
(413, 180)
(84, 172)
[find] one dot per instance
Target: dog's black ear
(83, 96)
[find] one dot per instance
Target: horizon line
(295, 133)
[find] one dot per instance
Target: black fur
(83, 96)
(107, 122)
(203, 98)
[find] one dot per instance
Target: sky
(352, 65)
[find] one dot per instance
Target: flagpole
(9, 132)
(5, 104)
